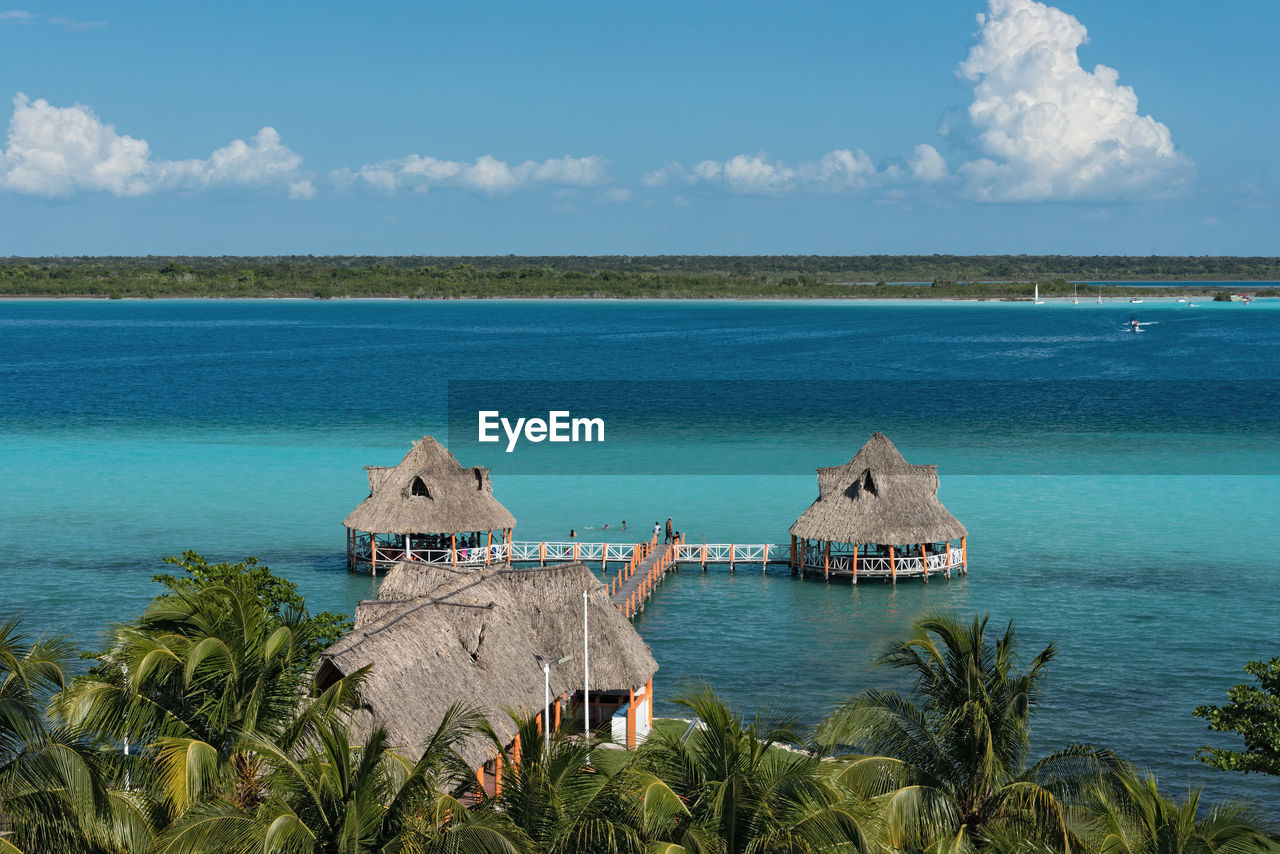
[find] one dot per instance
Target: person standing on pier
(657, 529)
(671, 531)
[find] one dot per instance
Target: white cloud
(839, 171)
(1048, 129)
(20, 16)
(486, 174)
(302, 190)
(57, 151)
(927, 165)
(72, 24)
(618, 194)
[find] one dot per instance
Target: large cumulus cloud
(1047, 129)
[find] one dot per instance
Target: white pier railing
(367, 550)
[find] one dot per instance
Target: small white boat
(1135, 299)
(1182, 299)
(1038, 301)
(1099, 295)
(1075, 299)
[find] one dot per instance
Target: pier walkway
(644, 565)
(638, 578)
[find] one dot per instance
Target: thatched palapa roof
(878, 497)
(429, 492)
(437, 635)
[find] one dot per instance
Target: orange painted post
(648, 695)
(948, 558)
(964, 554)
(488, 551)
(497, 775)
(576, 550)
(826, 561)
(855, 563)
(893, 565)
(604, 557)
(557, 717)
(731, 558)
(924, 561)
(515, 753)
(542, 554)
(631, 719)
(453, 544)
(704, 557)
(480, 780)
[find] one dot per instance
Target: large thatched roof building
(428, 508)
(878, 515)
(438, 635)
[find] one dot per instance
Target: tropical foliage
(198, 730)
(1252, 711)
(949, 763)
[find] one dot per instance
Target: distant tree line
(670, 276)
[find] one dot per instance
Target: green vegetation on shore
(674, 277)
(198, 730)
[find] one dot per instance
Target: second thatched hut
(878, 516)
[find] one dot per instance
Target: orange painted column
(855, 563)
(488, 551)
(826, 561)
(964, 553)
(557, 718)
(648, 693)
(480, 780)
(497, 775)
(515, 751)
(453, 543)
(631, 719)
(893, 565)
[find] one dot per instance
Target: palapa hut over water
(438, 635)
(428, 508)
(879, 516)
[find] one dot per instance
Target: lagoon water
(1135, 527)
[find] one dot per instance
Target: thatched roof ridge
(429, 492)
(438, 635)
(878, 497)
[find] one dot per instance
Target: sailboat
(1038, 301)
(1099, 294)
(1075, 300)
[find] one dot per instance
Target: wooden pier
(636, 581)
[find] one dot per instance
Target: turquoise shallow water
(132, 430)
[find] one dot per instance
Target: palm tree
(949, 764)
(744, 790)
(1128, 814)
(561, 800)
(339, 798)
(189, 687)
(53, 786)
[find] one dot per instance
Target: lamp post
(586, 676)
(546, 693)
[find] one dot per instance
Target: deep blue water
(1119, 489)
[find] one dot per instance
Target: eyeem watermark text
(558, 426)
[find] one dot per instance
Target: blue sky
(707, 127)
